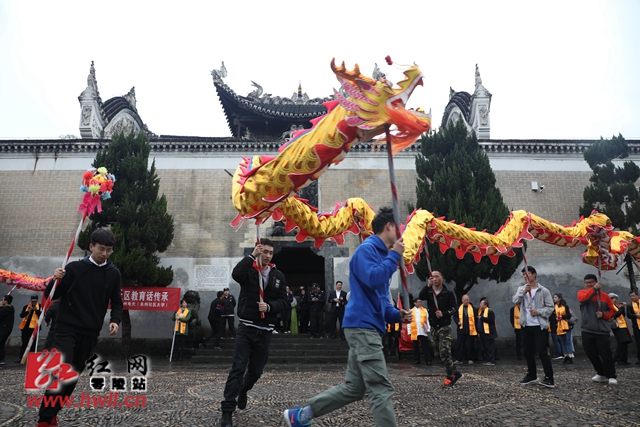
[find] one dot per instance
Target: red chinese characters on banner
(153, 299)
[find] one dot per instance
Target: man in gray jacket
(536, 305)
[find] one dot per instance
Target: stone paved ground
(188, 395)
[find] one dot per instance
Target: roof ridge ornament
(220, 74)
(131, 98)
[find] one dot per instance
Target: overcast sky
(557, 69)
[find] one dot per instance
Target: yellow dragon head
(372, 104)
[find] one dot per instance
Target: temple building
(39, 181)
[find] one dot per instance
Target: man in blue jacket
(366, 315)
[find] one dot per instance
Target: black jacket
(490, 320)
(51, 315)
(343, 300)
(7, 314)
(85, 292)
(316, 305)
(215, 311)
(275, 294)
(229, 305)
(446, 304)
(303, 303)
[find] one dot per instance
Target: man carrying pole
(366, 315)
(441, 305)
(86, 289)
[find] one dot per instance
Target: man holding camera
(30, 315)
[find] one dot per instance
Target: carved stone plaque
(211, 277)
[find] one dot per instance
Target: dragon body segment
(265, 186)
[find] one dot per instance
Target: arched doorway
(301, 266)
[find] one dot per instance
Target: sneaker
(613, 381)
(599, 379)
(558, 357)
(470, 362)
(570, 361)
(528, 380)
(489, 364)
(450, 382)
(226, 420)
(547, 383)
(292, 417)
(2, 362)
(242, 399)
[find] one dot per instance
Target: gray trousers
(366, 373)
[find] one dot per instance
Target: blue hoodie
(371, 267)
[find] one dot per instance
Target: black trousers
(465, 346)
(519, 342)
(488, 348)
(4, 336)
(217, 329)
(336, 315)
(75, 349)
(50, 341)
(537, 340)
(178, 349)
(249, 357)
(303, 318)
(636, 336)
(286, 320)
(26, 336)
(598, 350)
(231, 321)
(426, 348)
(317, 323)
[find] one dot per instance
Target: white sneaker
(599, 379)
(613, 381)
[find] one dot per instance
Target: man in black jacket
(262, 297)
(7, 314)
(441, 305)
(338, 301)
(85, 290)
(215, 320)
(228, 316)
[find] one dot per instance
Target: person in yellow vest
(633, 313)
(390, 339)
(514, 317)
(30, 314)
(181, 328)
(620, 331)
(467, 332)
(487, 331)
(419, 330)
(563, 329)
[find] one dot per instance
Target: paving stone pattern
(186, 394)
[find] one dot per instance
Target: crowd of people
(371, 324)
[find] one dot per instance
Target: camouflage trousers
(441, 341)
